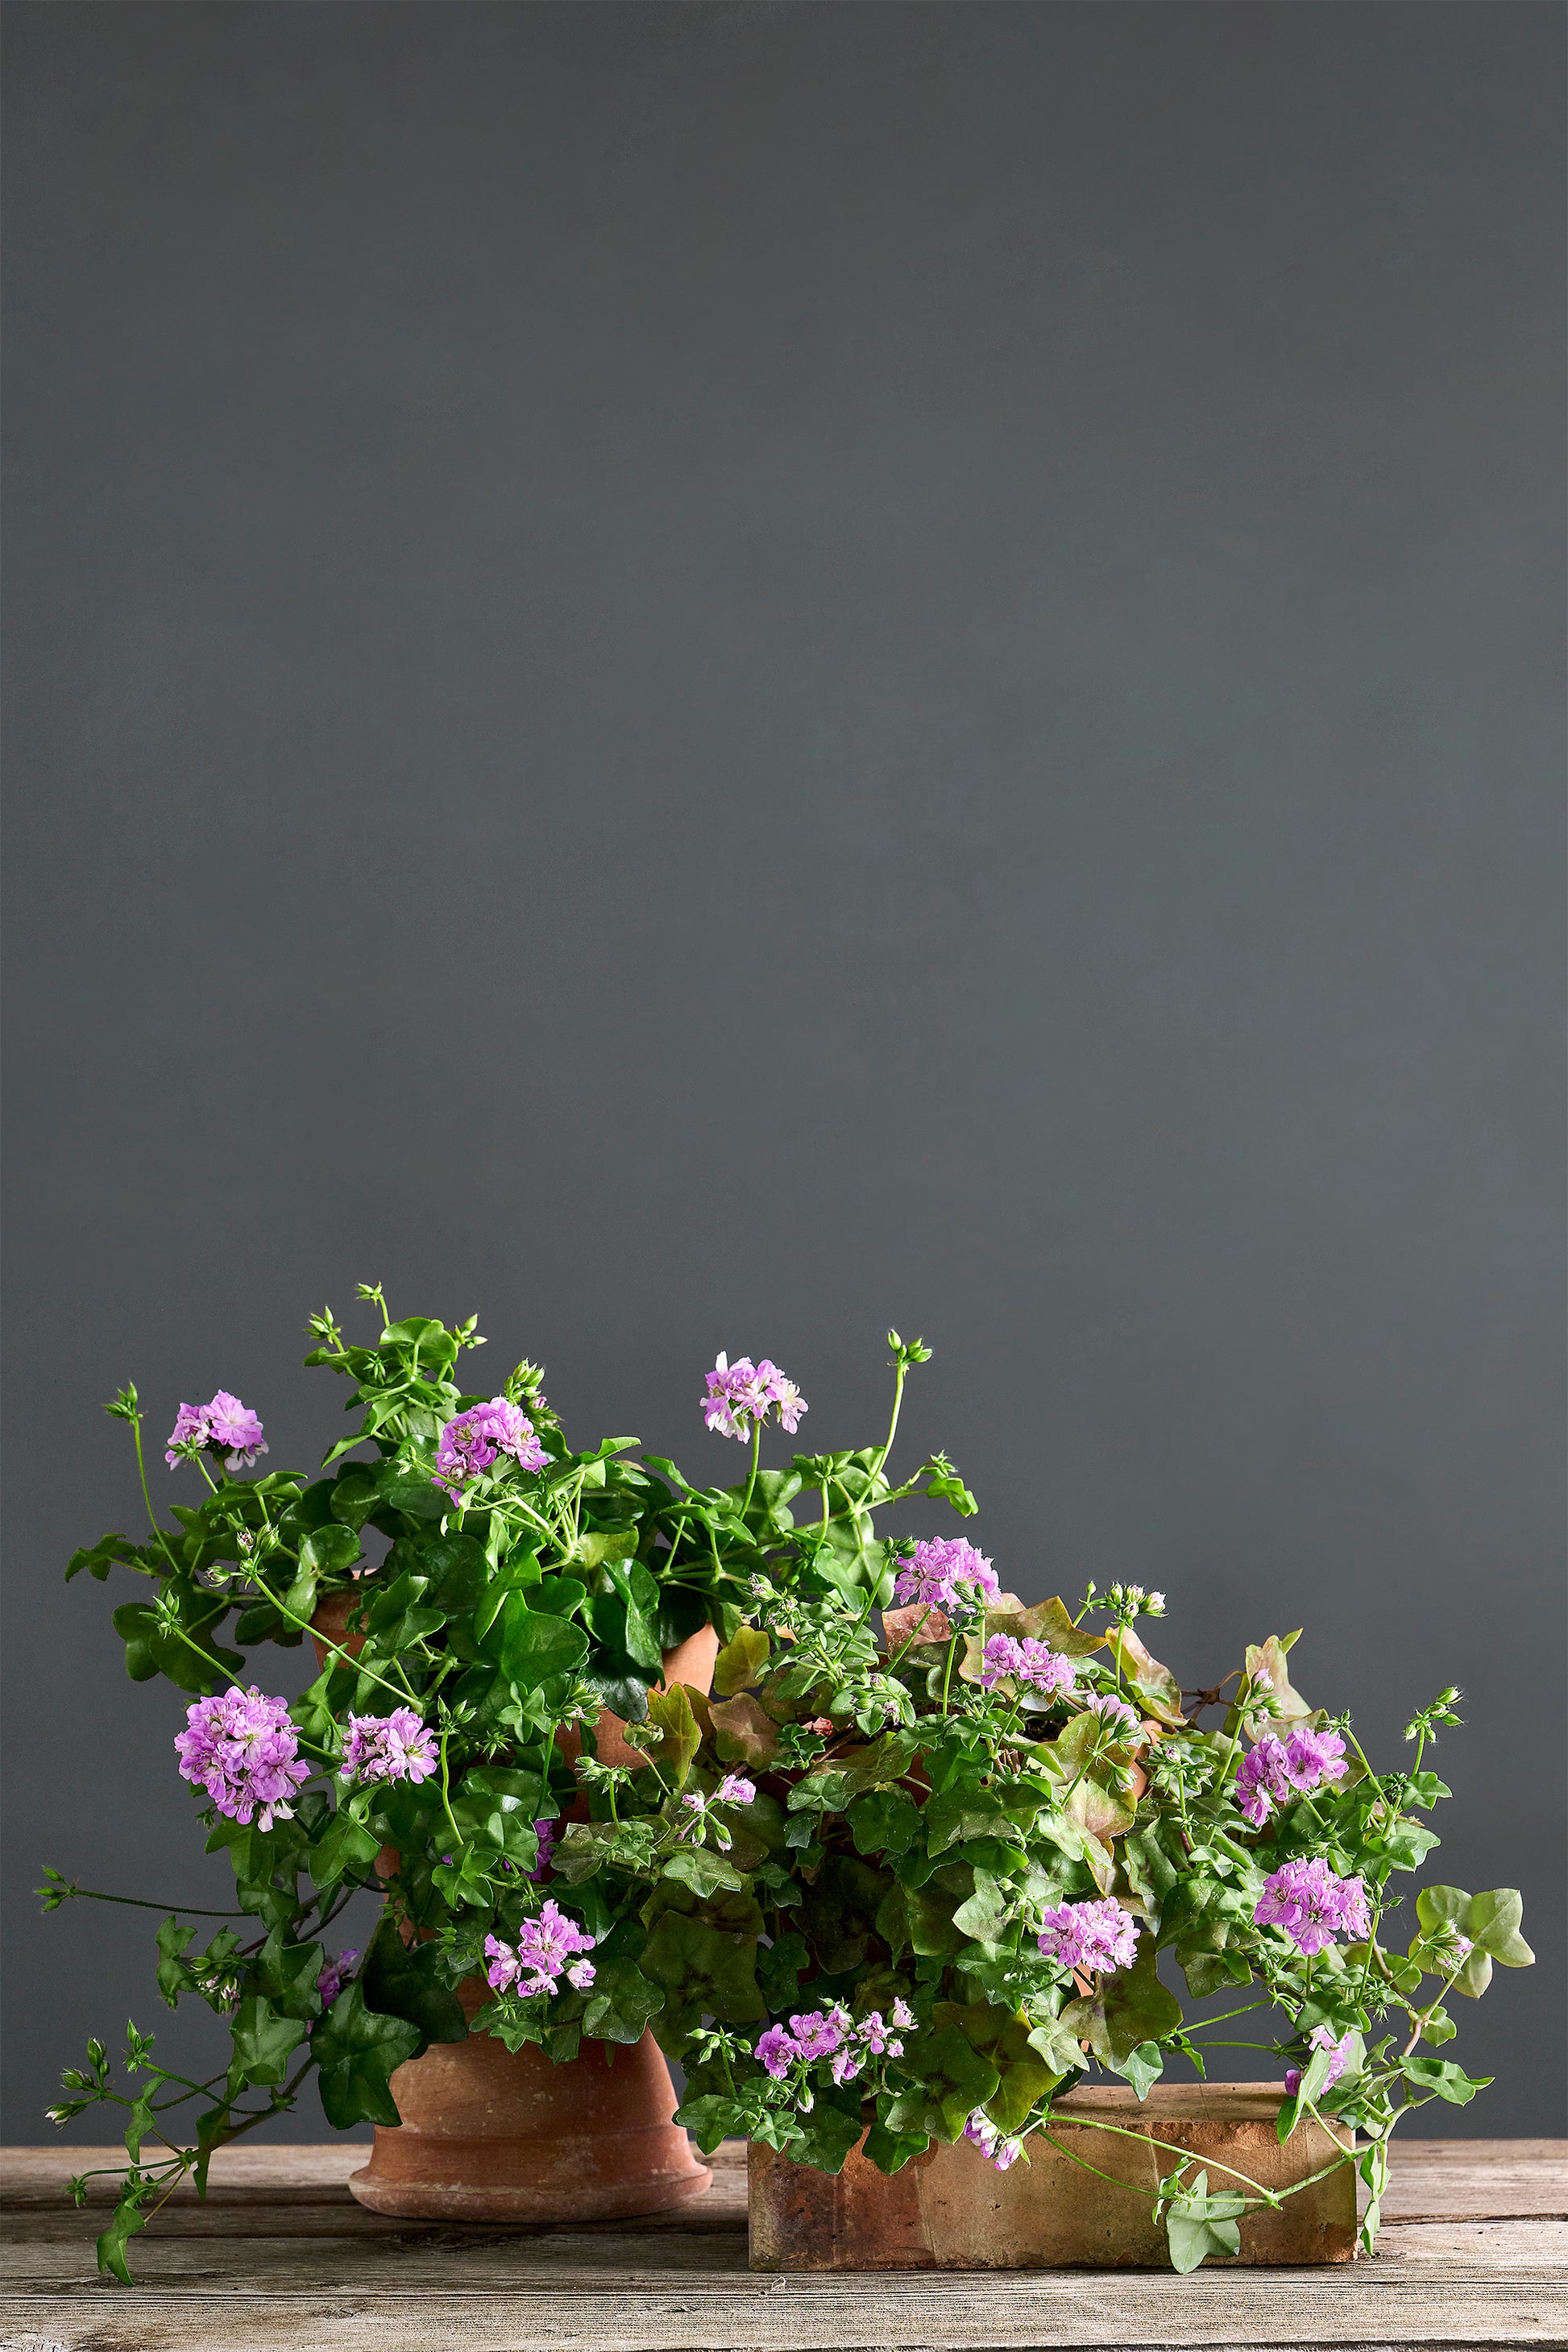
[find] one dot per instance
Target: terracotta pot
(951, 2209)
(490, 2135)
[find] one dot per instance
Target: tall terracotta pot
(493, 2134)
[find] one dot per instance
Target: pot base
(481, 2179)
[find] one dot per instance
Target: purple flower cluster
(1323, 2038)
(225, 1425)
(545, 1947)
(394, 1746)
(1029, 1662)
(834, 2035)
(947, 1574)
(984, 2135)
(1088, 1936)
(472, 1441)
(547, 1833)
(1313, 1905)
(334, 1975)
(740, 1395)
(244, 1751)
(1277, 1769)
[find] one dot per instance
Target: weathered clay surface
(490, 2135)
(951, 2209)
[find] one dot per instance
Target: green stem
(756, 1458)
(146, 1497)
(1092, 2123)
(892, 1425)
(188, 1910)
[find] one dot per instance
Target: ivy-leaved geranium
(482, 1596)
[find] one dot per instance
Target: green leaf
(955, 2080)
(890, 2151)
(779, 1965)
(531, 1646)
(884, 1820)
(1493, 1924)
(1143, 2066)
(1448, 2081)
(703, 1872)
(405, 1980)
(711, 2120)
(1132, 2007)
(1155, 1687)
(702, 1971)
(621, 2003)
(287, 1974)
(356, 2052)
(1197, 2224)
(329, 1550)
(263, 2041)
(128, 2219)
(343, 1846)
(740, 1662)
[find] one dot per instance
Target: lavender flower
(1313, 1757)
(1311, 1904)
(846, 2065)
(243, 1751)
(902, 2014)
(777, 2052)
(581, 1974)
(334, 1975)
(818, 2034)
(394, 1746)
(545, 1947)
(1029, 1662)
(740, 1395)
(878, 2040)
(984, 2135)
(225, 1425)
(472, 1441)
(1323, 2038)
(947, 1574)
(547, 1833)
(1276, 1769)
(1262, 1780)
(1088, 1936)
(734, 1789)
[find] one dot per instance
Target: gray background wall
(707, 676)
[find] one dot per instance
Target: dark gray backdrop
(707, 676)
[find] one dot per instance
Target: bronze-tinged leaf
(671, 1711)
(1048, 1621)
(743, 1733)
(1095, 1811)
(1154, 1684)
(916, 1627)
(1266, 1670)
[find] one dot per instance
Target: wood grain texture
(280, 2259)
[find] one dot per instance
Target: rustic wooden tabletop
(1474, 2252)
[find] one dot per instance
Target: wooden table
(1474, 2252)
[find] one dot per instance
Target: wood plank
(1302, 2312)
(576, 2263)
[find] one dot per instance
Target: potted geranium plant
(532, 1603)
(946, 1882)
